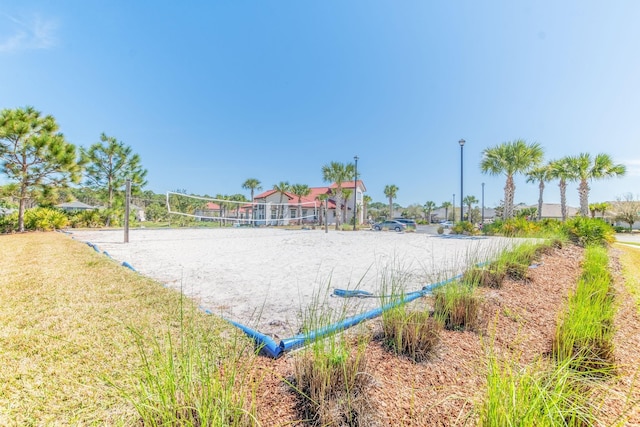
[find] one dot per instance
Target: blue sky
(211, 93)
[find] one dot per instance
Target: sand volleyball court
(265, 278)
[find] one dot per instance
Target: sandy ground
(267, 278)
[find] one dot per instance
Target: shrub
(463, 227)
(86, 218)
(493, 228)
(45, 219)
(519, 227)
(9, 223)
(588, 231)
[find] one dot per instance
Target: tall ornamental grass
(331, 380)
(585, 331)
(411, 333)
(196, 379)
(542, 394)
(456, 305)
(330, 373)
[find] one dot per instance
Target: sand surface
(268, 278)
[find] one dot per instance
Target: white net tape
(242, 212)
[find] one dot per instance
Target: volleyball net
(242, 212)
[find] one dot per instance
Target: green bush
(9, 223)
(620, 229)
(87, 218)
(589, 231)
(45, 219)
(464, 227)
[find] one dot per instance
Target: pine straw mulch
(517, 320)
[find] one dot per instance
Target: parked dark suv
(408, 222)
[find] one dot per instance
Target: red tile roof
(349, 184)
(313, 195)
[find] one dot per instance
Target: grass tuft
(456, 305)
(410, 333)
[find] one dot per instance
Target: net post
(127, 202)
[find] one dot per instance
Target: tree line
(40, 161)
(41, 164)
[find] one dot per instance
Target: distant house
(214, 211)
(6, 211)
(441, 214)
(78, 206)
(75, 206)
(552, 210)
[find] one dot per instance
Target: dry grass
(64, 313)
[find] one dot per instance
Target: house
(78, 206)
(552, 210)
(232, 211)
(442, 214)
(273, 207)
(6, 211)
(75, 206)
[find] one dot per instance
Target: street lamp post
(355, 195)
(483, 203)
(461, 142)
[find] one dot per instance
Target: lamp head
(461, 142)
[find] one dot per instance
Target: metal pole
(483, 203)
(127, 201)
(355, 194)
(461, 142)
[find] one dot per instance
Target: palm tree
(365, 206)
(561, 170)
(282, 187)
(346, 194)
(300, 190)
(540, 174)
(391, 191)
(510, 158)
(446, 206)
(429, 206)
(322, 198)
(603, 207)
(336, 172)
(252, 184)
(469, 201)
(587, 168)
(222, 198)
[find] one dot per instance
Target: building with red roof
(274, 207)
